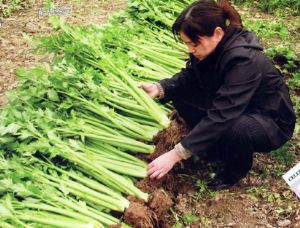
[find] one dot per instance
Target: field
(71, 112)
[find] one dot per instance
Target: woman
(230, 94)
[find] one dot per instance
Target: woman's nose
(191, 50)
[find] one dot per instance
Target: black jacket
(237, 78)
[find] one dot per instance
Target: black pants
(235, 149)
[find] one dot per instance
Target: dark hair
(203, 16)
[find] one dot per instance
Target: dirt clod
(138, 215)
(168, 138)
(115, 226)
(150, 214)
(160, 203)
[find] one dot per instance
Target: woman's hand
(163, 164)
(150, 88)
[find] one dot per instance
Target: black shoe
(219, 184)
(224, 181)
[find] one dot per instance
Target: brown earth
(139, 215)
(16, 52)
(148, 214)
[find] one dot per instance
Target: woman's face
(205, 44)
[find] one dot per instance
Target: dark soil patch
(168, 138)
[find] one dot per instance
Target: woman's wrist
(182, 152)
(161, 92)
(175, 156)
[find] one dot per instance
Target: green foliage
(294, 83)
(189, 218)
(184, 220)
(265, 171)
(273, 197)
(76, 123)
(278, 171)
(285, 58)
(203, 192)
(282, 155)
(201, 188)
(274, 6)
(297, 104)
(283, 158)
(48, 4)
(267, 29)
(177, 224)
(7, 7)
(257, 192)
(263, 193)
(284, 54)
(281, 6)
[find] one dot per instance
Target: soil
(15, 51)
(139, 215)
(151, 213)
(262, 199)
(247, 204)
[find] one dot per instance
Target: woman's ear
(218, 34)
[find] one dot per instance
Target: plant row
(71, 131)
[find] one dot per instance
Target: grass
(8, 7)
(203, 192)
(268, 29)
(282, 155)
(188, 219)
(277, 7)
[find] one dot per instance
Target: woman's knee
(247, 132)
(239, 131)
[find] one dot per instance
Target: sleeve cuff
(161, 90)
(182, 152)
